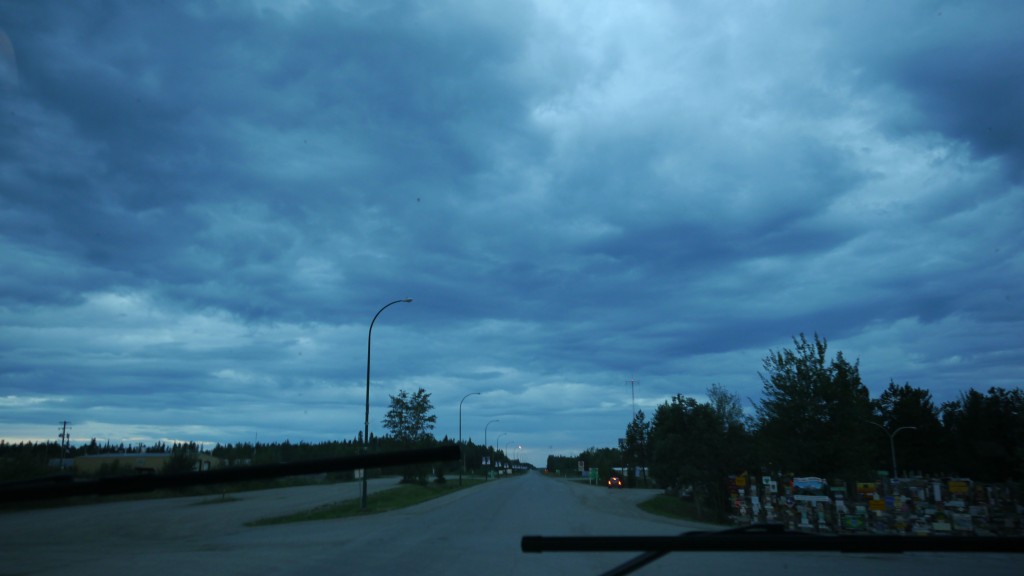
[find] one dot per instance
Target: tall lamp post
(892, 442)
(462, 460)
(486, 445)
(366, 421)
(496, 443)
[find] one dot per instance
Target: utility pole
(632, 385)
(65, 438)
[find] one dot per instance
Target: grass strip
(222, 499)
(401, 496)
(674, 507)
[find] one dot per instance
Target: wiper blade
(64, 486)
(773, 542)
(763, 538)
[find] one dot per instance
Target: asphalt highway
(474, 531)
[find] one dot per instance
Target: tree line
(817, 418)
(409, 421)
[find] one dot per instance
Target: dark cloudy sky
(203, 204)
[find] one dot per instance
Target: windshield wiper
(65, 486)
(763, 538)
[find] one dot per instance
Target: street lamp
(462, 460)
(486, 445)
(485, 431)
(366, 421)
(496, 443)
(892, 442)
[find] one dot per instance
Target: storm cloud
(202, 206)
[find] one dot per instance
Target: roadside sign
(958, 486)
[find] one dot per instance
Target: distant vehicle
(615, 482)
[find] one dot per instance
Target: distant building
(140, 463)
(61, 463)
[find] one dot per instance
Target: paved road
(475, 531)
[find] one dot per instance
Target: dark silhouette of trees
(603, 459)
(410, 420)
(634, 447)
(696, 445)
(183, 459)
(813, 412)
(816, 418)
(920, 450)
(984, 434)
(563, 465)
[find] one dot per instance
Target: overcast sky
(203, 205)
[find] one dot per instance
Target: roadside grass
(401, 496)
(222, 499)
(674, 507)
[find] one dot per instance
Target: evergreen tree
(634, 446)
